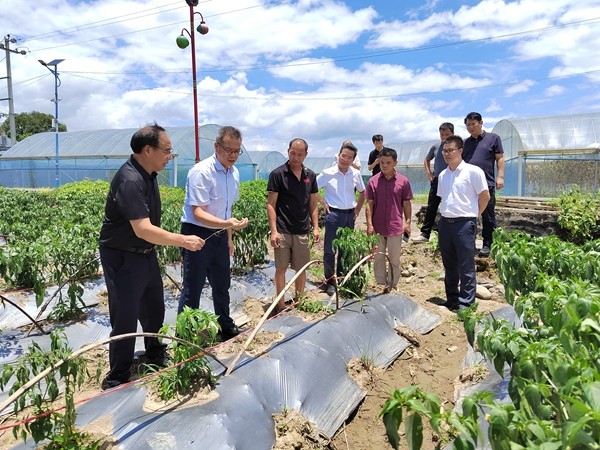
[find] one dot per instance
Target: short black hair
(454, 139)
(350, 146)
(385, 151)
(377, 137)
(447, 126)
(149, 135)
(298, 139)
(473, 116)
(228, 130)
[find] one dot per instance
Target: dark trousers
(433, 203)
(135, 292)
(488, 219)
(457, 245)
(334, 220)
(211, 262)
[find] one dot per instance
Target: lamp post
(54, 63)
(182, 42)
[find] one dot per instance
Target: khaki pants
(392, 245)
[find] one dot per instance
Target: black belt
(456, 219)
(345, 211)
(143, 251)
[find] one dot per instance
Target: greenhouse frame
(543, 156)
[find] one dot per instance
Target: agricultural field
(550, 357)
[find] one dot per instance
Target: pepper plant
(354, 245)
(199, 328)
(552, 358)
(58, 428)
(250, 243)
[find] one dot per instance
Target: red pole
(194, 87)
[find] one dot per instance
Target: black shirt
(292, 207)
(133, 195)
(372, 157)
(481, 152)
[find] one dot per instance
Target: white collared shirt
(339, 187)
(460, 189)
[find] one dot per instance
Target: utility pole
(11, 106)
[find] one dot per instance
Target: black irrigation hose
(33, 321)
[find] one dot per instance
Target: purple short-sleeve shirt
(388, 197)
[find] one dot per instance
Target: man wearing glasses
(129, 233)
(211, 189)
(465, 195)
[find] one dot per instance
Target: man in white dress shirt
(341, 206)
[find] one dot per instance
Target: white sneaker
(420, 239)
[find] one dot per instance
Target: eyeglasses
(166, 151)
(447, 151)
(231, 151)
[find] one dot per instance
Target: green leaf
(414, 431)
(392, 423)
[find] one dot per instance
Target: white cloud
(519, 88)
(323, 69)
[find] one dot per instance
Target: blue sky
(322, 70)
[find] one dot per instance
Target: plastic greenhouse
(266, 162)
(546, 155)
(98, 154)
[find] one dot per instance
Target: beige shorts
(294, 249)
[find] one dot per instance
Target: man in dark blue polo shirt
(129, 233)
(484, 150)
(291, 207)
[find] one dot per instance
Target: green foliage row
(553, 358)
(579, 215)
(250, 244)
(52, 235)
(521, 258)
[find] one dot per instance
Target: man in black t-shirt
(373, 162)
(130, 230)
(291, 207)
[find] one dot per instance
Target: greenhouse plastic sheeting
(307, 372)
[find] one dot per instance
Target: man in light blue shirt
(211, 188)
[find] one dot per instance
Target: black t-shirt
(133, 195)
(292, 207)
(372, 157)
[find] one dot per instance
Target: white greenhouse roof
(113, 144)
(577, 133)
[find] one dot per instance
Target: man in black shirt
(291, 207)
(129, 233)
(373, 163)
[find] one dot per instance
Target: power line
(341, 97)
(350, 57)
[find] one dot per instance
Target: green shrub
(579, 215)
(250, 244)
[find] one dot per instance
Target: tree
(27, 124)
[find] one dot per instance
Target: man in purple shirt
(389, 198)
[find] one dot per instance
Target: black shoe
(452, 306)
(160, 361)
(228, 333)
(330, 289)
(109, 384)
(485, 251)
